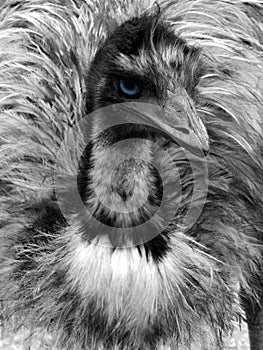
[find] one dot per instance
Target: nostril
(183, 130)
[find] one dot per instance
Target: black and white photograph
(131, 175)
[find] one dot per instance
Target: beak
(181, 122)
(178, 119)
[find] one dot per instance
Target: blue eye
(129, 87)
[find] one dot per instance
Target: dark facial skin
(144, 33)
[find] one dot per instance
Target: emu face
(144, 53)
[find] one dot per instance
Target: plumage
(200, 63)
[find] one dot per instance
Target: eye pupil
(129, 87)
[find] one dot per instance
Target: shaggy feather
(91, 297)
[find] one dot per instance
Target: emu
(131, 172)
